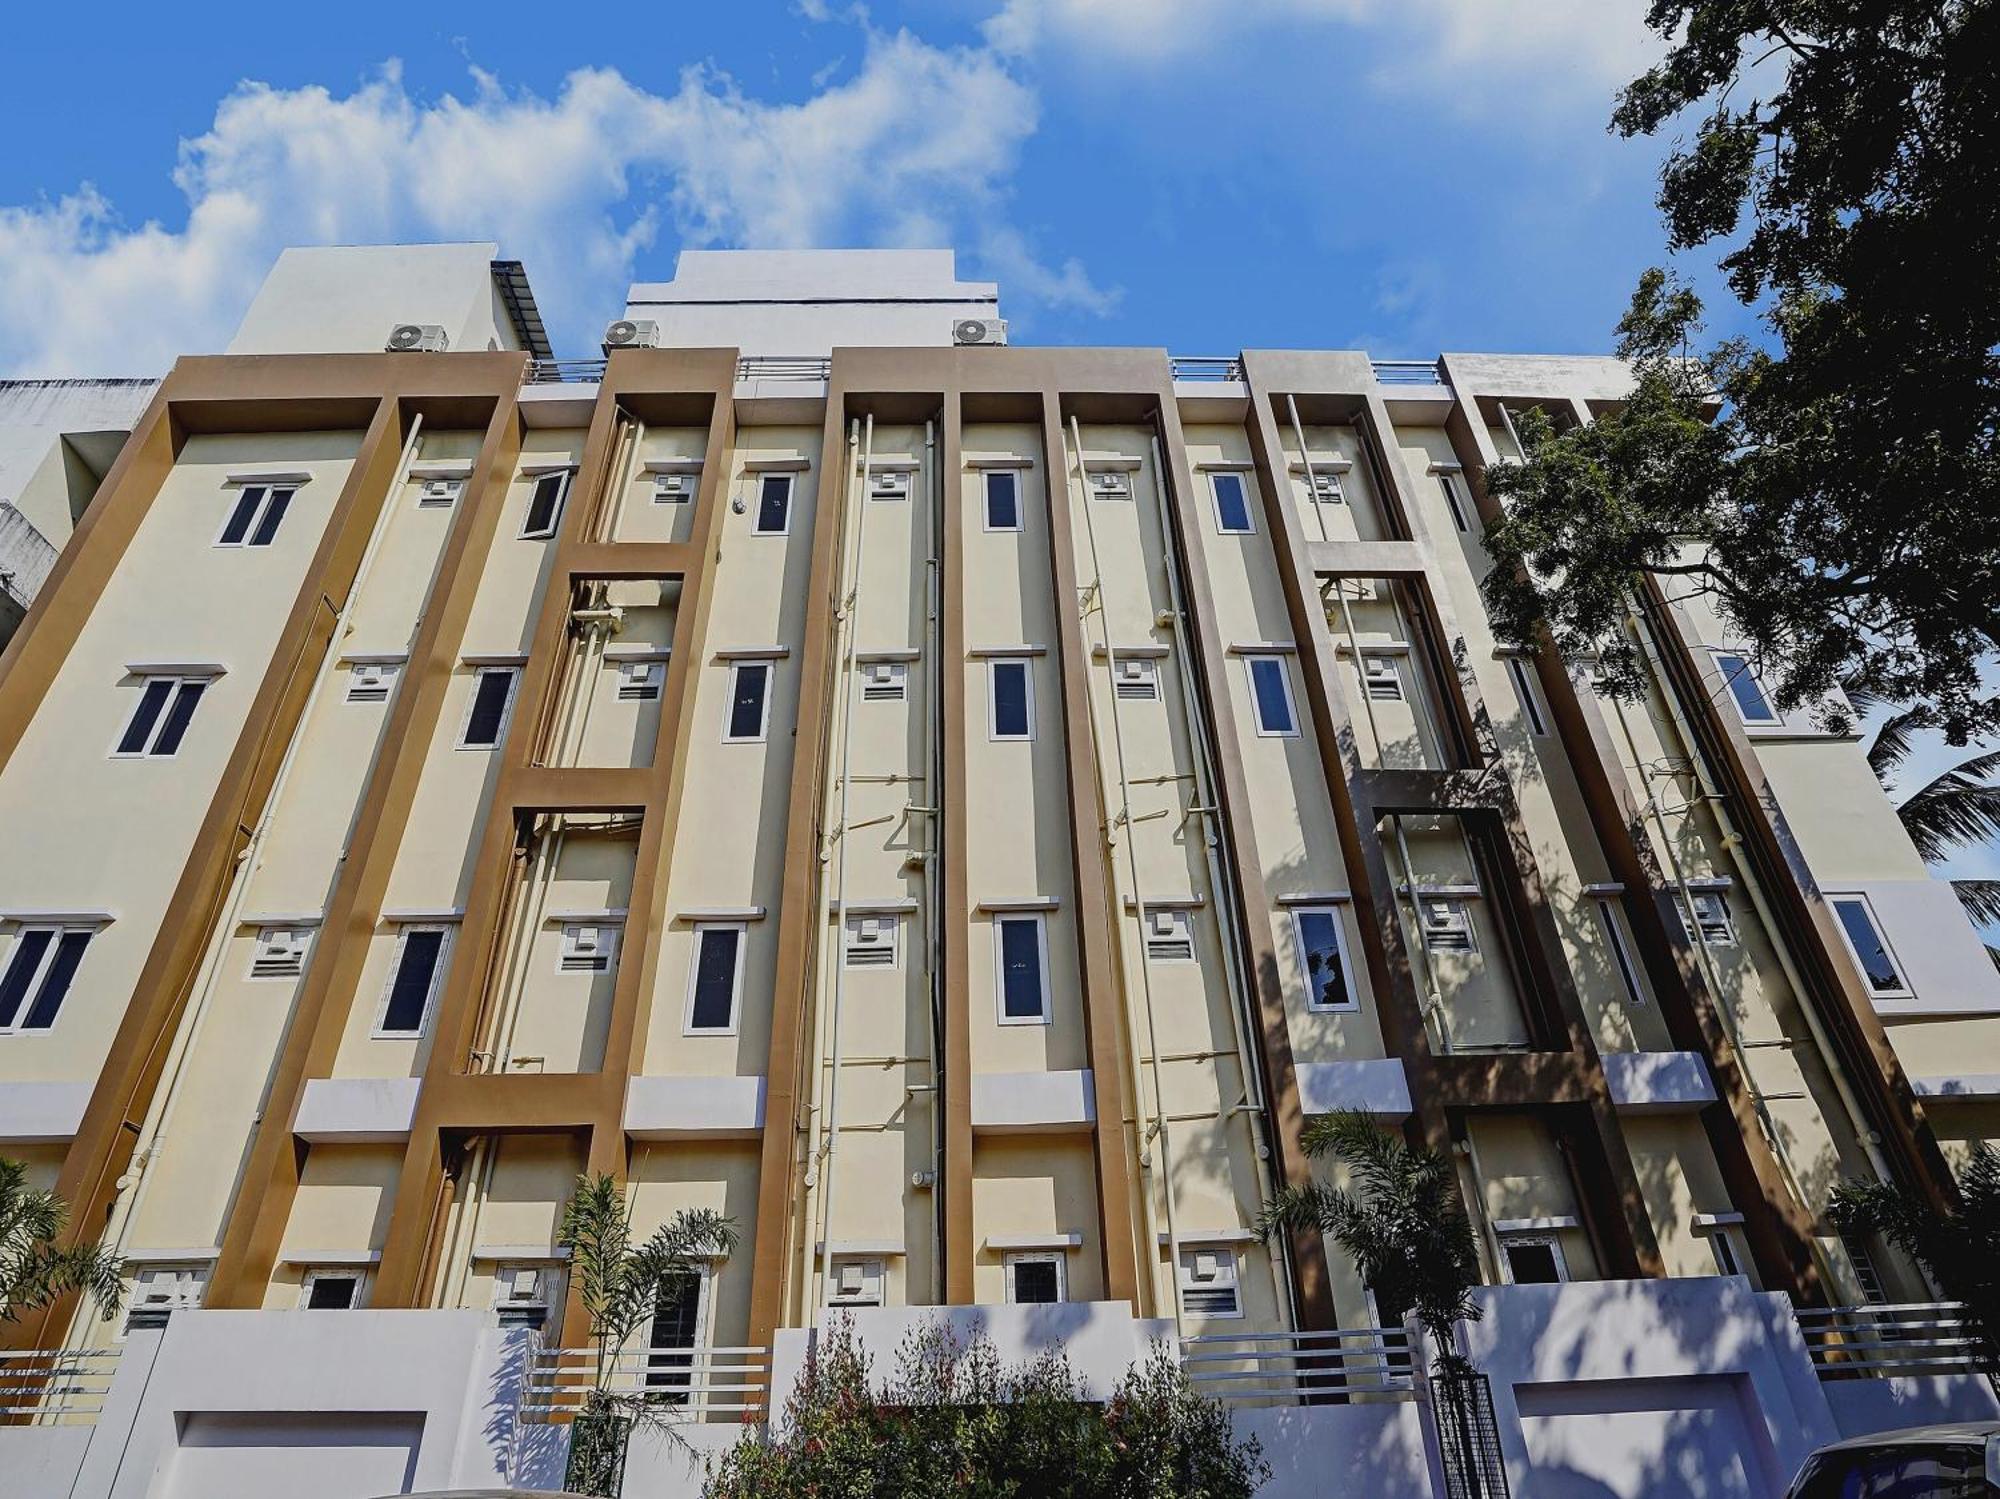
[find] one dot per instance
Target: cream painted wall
(1037, 1186)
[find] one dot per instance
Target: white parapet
(41, 1113)
(689, 1108)
(1033, 1102)
(1657, 1082)
(357, 1110)
(1376, 1086)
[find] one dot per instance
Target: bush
(954, 1419)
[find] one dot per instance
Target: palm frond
(1957, 809)
(1981, 899)
(1894, 740)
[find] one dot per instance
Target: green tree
(34, 1269)
(1837, 492)
(954, 1419)
(620, 1285)
(1954, 810)
(1959, 1247)
(1402, 1222)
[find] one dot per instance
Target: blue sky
(1398, 175)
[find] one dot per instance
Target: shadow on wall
(1378, 1450)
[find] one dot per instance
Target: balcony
(688, 1384)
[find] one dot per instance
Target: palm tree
(1402, 1222)
(34, 1269)
(621, 1286)
(1955, 810)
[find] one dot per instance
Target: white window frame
(1250, 660)
(1181, 923)
(1690, 912)
(372, 681)
(1056, 1257)
(1324, 486)
(1509, 1237)
(1454, 506)
(261, 945)
(569, 949)
(641, 679)
(762, 478)
(190, 1285)
(1722, 655)
(993, 665)
(1729, 1256)
(506, 712)
(568, 476)
(742, 930)
(1215, 480)
(1611, 920)
(313, 1276)
(179, 681)
(403, 931)
(692, 1395)
(1381, 669)
(1227, 1273)
(1013, 477)
(1041, 924)
(1524, 689)
(31, 996)
(1463, 906)
(1353, 1001)
(850, 933)
(1902, 990)
(874, 1272)
(769, 668)
(270, 493)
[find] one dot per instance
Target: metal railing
(1215, 367)
(56, 1386)
(687, 1383)
(565, 371)
(783, 367)
(1860, 1342)
(1407, 372)
(1286, 1368)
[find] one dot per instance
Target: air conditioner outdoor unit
(417, 338)
(632, 333)
(979, 330)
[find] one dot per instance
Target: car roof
(1912, 1436)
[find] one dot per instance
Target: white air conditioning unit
(632, 333)
(417, 338)
(979, 330)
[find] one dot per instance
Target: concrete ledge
(1033, 1102)
(1378, 1087)
(41, 1113)
(1970, 1086)
(357, 1110)
(684, 1108)
(1658, 1082)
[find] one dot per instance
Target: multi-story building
(956, 810)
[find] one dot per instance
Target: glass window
(713, 983)
(774, 505)
(1013, 700)
(1272, 694)
(1751, 702)
(1865, 941)
(253, 520)
(1320, 955)
(486, 720)
(749, 701)
(1533, 1260)
(40, 969)
(1621, 951)
(1944, 1472)
(1023, 967)
(1524, 689)
(545, 505)
(1232, 503)
(419, 962)
(331, 1291)
(1449, 489)
(160, 721)
(675, 1332)
(1034, 1279)
(1003, 500)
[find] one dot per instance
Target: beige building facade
(957, 811)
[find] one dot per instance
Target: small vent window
(1327, 488)
(1383, 678)
(1111, 483)
(587, 947)
(890, 484)
(1138, 678)
(439, 494)
(639, 681)
(1208, 1283)
(884, 681)
(370, 681)
(855, 1283)
(162, 1290)
(673, 489)
(1169, 937)
(1447, 924)
(871, 940)
(521, 1295)
(1713, 922)
(331, 1291)
(280, 952)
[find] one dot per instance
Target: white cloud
(916, 147)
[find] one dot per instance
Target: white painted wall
(344, 299)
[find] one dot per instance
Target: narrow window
(673, 1337)
(280, 952)
(774, 505)
(160, 721)
(1533, 1260)
(1621, 952)
(1713, 923)
(330, 1291)
(1013, 700)
(1751, 702)
(413, 982)
(587, 947)
(1232, 505)
(370, 681)
(1381, 678)
(1021, 957)
(1034, 1279)
(1003, 500)
(1448, 487)
(1517, 669)
(545, 505)
(1321, 958)
(1208, 1283)
(1169, 936)
(492, 695)
(1272, 692)
(639, 681)
(1726, 1262)
(871, 940)
(40, 969)
(1870, 949)
(714, 979)
(749, 702)
(855, 1283)
(1447, 924)
(253, 521)
(884, 681)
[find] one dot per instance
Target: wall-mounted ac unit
(417, 338)
(979, 330)
(632, 333)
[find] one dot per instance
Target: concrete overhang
(41, 1113)
(1657, 1082)
(1377, 1086)
(1969, 1087)
(691, 1108)
(357, 1110)
(1007, 1103)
